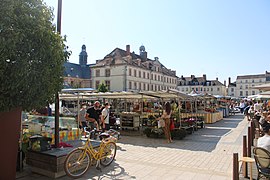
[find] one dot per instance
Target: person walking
(105, 117)
(82, 113)
(166, 117)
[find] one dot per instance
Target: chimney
(192, 76)
(204, 77)
(229, 80)
(224, 82)
(156, 58)
(139, 62)
(217, 78)
(128, 49)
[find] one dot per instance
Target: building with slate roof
(201, 85)
(78, 75)
(123, 70)
(245, 83)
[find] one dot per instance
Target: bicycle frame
(95, 154)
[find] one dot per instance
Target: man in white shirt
(105, 117)
(264, 142)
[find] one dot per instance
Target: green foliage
(102, 88)
(32, 55)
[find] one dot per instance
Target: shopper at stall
(82, 113)
(105, 117)
(93, 115)
(166, 117)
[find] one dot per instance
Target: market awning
(264, 87)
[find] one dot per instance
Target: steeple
(83, 56)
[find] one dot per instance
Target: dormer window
(71, 69)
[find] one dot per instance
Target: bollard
(235, 167)
(249, 142)
(252, 126)
(245, 171)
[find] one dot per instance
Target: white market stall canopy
(170, 94)
(263, 87)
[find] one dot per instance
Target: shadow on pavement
(113, 171)
(205, 139)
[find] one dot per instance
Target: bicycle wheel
(109, 154)
(77, 163)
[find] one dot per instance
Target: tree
(102, 88)
(32, 55)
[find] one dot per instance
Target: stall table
(208, 117)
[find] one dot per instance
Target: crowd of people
(95, 116)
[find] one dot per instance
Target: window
(144, 86)
(148, 76)
(211, 89)
(135, 73)
(241, 93)
(161, 78)
(140, 74)
(130, 85)
(155, 77)
(135, 85)
(140, 86)
(186, 89)
(260, 80)
(158, 78)
(232, 89)
(143, 74)
(107, 72)
(97, 84)
(152, 77)
(246, 86)
(108, 84)
(253, 92)
(183, 89)
(129, 72)
(246, 81)
(97, 73)
(218, 89)
(240, 86)
(252, 80)
(246, 93)
(207, 89)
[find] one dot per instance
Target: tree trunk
(9, 133)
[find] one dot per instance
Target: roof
(76, 70)
(199, 81)
(232, 84)
(251, 76)
(118, 54)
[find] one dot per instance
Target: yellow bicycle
(80, 159)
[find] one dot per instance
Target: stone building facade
(201, 85)
(123, 70)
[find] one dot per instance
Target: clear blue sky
(219, 38)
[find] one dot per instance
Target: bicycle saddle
(104, 135)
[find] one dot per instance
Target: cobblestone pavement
(205, 155)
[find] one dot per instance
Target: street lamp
(56, 111)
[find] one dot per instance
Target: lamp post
(56, 117)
